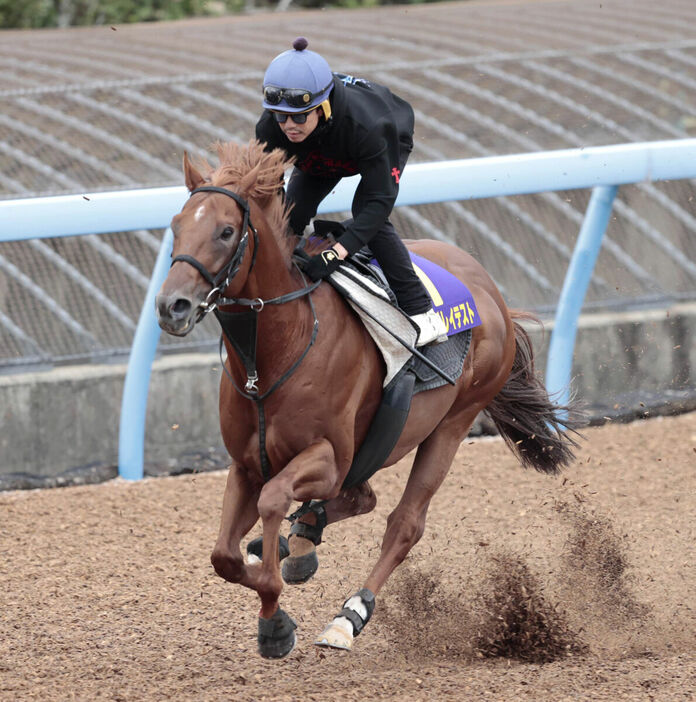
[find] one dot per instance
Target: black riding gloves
(322, 265)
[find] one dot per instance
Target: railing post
(560, 359)
(131, 439)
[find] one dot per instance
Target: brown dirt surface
(580, 587)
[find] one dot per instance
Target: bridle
(240, 328)
(223, 278)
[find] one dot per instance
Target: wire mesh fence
(95, 109)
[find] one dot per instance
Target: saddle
(363, 285)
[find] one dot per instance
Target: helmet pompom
(300, 44)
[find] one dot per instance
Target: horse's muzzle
(175, 314)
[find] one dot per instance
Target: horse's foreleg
(239, 514)
(405, 526)
(311, 474)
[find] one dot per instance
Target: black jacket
(370, 132)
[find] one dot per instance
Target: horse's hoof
(255, 549)
(335, 636)
(299, 569)
(276, 636)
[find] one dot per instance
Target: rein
(241, 328)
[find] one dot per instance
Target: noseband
(220, 281)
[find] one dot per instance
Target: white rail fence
(603, 169)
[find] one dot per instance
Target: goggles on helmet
(294, 97)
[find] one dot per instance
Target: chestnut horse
(293, 419)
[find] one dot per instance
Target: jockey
(337, 126)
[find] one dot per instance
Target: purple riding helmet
(297, 80)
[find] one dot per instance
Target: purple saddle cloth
(452, 300)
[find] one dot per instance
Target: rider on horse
(336, 126)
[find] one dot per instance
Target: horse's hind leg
(306, 532)
(405, 526)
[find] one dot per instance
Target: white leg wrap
(339, 633)
(357, 605)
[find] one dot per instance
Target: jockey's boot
(431, 328)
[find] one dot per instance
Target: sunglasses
(294, 97)
(297, 118)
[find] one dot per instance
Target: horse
(296, 406)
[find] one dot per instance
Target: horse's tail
(536, 429)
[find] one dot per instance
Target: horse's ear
(192, 176)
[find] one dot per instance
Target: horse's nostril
(181, 307)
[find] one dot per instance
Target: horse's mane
(259, 176)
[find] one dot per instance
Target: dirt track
(107, 593)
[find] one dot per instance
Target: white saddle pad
(371, 297)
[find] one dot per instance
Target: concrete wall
(67, 418)
(642, 350)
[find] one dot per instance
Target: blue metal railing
(601, 168)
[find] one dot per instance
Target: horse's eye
(227, 233)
